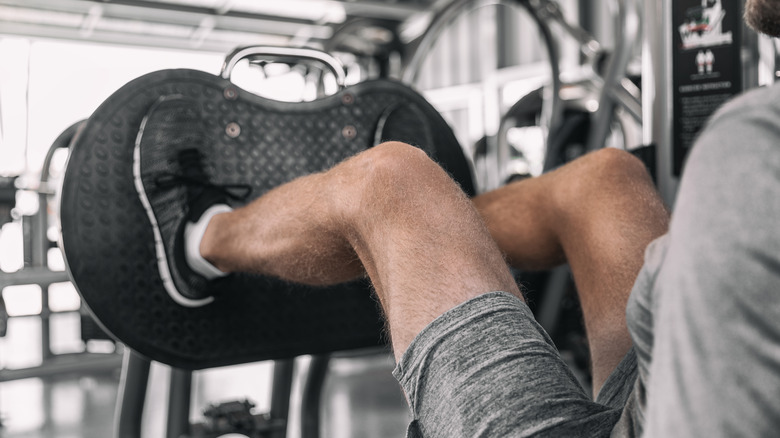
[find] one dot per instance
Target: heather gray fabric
(487, 369)
(714, 304)
(704, 315)
(640, 325)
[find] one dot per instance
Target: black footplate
(108, 241)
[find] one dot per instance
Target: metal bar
(550, 10)
(375, 9)
(218, 42)
(27, 241)
(629, 28)
(381, 9)
(776, 59)
(132, 25)
(34, 275)
(312, 395)
(586, 15)
(552, 104)
(179, 403)
(442, 20)
(284, 53)
(57, 312)
(40, 236)
(39, 246)
(280, 395)
(161, 9)
(540, 11)
(63, 364)
(629, 97)
(657, 108)
(132, 394)
(507, 46)
(46, 352)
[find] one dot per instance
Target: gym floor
(360, 398)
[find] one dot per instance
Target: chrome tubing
(552, 107)
(550, 10)
(285, 54)
(629, 29)
(441, 21)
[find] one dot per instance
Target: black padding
(108, 242)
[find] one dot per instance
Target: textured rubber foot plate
(109, 245)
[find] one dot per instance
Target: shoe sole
(159, 247)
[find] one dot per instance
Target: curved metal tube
(630, 24)
(442, 21)
(284, 54)
(64, 140)
(552, 108)
(552, 104)
(550, 10)
(628, 96)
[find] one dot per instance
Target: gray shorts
(486, 369)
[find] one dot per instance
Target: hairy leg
(598, 214)
(390, 212)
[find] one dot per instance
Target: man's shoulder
(761, 100)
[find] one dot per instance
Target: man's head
(764, 16)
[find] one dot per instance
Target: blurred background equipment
(7, 198)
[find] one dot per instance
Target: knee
(394, 174)
(398, 159)
(604, 173)
(614, 165)
(397, 167)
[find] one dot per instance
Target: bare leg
(390, 211)
(598, 213)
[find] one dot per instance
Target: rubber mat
(109, 246)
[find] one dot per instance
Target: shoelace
(191, 164)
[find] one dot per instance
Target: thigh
(486, 368)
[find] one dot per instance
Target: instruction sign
(706, 66)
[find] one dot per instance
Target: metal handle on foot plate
(284, 54)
